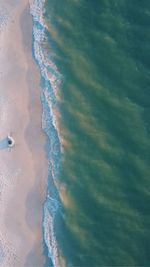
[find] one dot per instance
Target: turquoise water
(101, 49)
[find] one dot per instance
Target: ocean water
(94, 57)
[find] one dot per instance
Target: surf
(50, 81)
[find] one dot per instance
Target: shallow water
(101, 50)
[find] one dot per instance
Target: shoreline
(50, 85)
(21, 240)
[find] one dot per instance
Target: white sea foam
(48, 223)
(52, 79)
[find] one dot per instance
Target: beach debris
(10, 141)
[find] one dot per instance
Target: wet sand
(23, 169)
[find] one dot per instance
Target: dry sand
(23, 170)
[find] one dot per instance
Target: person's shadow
(4, 143)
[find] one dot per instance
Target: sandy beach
(23, 168)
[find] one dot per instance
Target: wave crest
(50, 81)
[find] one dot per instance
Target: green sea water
(102, 50)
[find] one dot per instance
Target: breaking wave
(50, 81)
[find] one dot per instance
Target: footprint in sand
(4, 17)
(8, 255)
